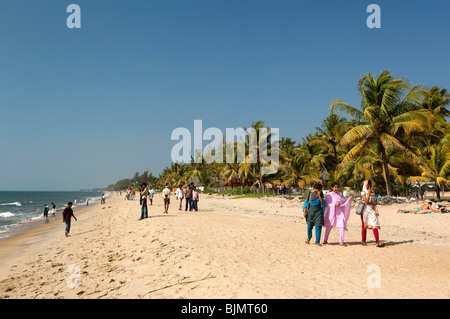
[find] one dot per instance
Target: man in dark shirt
(67, 215)
(188, 197)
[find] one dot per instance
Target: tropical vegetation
(397, 137)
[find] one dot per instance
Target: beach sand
(231, 248)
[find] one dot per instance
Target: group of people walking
(190, 195)
(333, 211)
(130, 193)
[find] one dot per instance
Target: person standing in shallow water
(53, 209)
(313, 211)
(46, 211)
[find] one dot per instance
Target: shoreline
(231, 248)
(27, 226)
(32, 233)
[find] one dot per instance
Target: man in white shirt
(180, 195)
(166, 197)
(150, 195)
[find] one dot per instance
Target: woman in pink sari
(337, 213)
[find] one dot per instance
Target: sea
(20, 209)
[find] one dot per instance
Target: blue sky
(86, 107)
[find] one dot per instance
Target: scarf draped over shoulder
(337, 216)
(315, 202)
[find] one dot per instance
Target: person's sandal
(363, 243)
(381, 244)
(343, 244)
(307, 241)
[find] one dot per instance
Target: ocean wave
(11, 204)
(6, 214)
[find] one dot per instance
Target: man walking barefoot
(166, 196)
(67, 216)
(143, 200)
(180, 196)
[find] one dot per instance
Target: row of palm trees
(398, 136)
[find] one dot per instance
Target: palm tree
(297, 174)
(310, 153)
(435, 166)
(437, 100)
(257, 171)
(370, 166)
(231, 172)
(245, 172)
(328, 137)
(256, 126)
(295, 161)
(390, 113)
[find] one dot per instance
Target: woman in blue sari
(313, 211)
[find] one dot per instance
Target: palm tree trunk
(336, 159)
(438, 191)
(387, 175)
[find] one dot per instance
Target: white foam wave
(11, 204)
(6, 214)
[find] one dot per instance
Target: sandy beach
(230, 248)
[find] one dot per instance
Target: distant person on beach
(53, 209)
(67, 216)
(195, 199)
(46, 211)
(166, 197)
(313, 211)
(337, 213)
(188, 197)
(369, 216)
(150, 194)
(143, 201)
(87, 202)
(180, 196)
(424, 209)
(75, 202)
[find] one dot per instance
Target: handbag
(360, 208)
(307, 207)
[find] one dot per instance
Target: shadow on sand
(370, 243)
